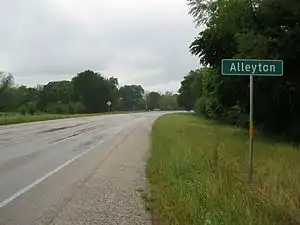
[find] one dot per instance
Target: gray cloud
(138, 41)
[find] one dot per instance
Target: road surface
(46, 167)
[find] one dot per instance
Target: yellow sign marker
(251, 130)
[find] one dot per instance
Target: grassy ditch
(198, 175)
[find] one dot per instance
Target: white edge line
(38, 181)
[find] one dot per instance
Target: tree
(57, 93)
(114, 92)
(142, 104)
(6, 83)
(201, 83)
(152, 100)
(26, 94)
(168, 101)
(87, 92)
(130, 96)
(93, 90)
(266, 29)
(186, 98)
(76, 107)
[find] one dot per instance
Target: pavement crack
(61, 128)
(74, 134)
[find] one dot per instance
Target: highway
(44, 164)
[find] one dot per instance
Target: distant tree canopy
(6, 83)
(131, 96)
(87, 92)
(168, 101)
(93, 90)
(262, 29)
(153, 99)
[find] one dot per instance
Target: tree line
(259, 29)
(87, 92)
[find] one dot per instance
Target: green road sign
(252, 67)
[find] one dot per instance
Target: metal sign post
(251, 68)
(251, 131)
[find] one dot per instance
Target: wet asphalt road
(43, 163)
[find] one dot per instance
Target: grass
(198, 175)
(15, 118)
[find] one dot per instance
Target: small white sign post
(109, 104)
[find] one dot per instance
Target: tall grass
(17, 118)
(198, 175)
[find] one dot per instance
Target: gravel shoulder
(111, 194)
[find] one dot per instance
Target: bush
(57, 108)
(3, 114)
(233, 114)
(200, 106)
(208, 107)
(23, 109)
(31, 107)
(76, 107)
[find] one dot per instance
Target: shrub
(57, 108)
(76, 107)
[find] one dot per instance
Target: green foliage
(131, 96)
(93, 90)
(57, 108)
(31, 107)
(153, 99)
(76, 107)
(87, 92)
(263, 29)
(201, 107)
(15, 118)
(56, 92)
(23, 110)
(168, 101)
(142, 104)
(186, 97)
(25, 94)
(6, 82)
(198, 175)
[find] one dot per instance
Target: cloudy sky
(139, 41)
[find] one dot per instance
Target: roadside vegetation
(198, 175)
(87, 93)
(255, 29)
(198, 166)
(15, 118)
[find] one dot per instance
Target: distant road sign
(253, 67)
(109, 103)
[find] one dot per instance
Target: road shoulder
(111, 195)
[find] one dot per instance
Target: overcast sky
(138, 41)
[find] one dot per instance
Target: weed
(198, 175)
